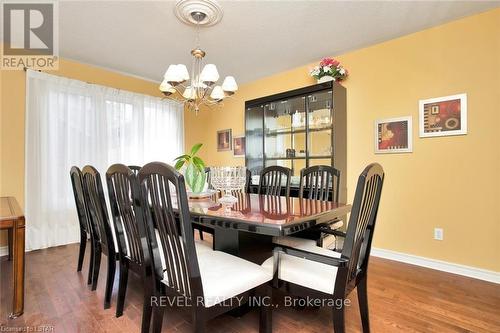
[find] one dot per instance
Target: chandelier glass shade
(200, 86)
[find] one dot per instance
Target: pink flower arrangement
(329, 67)
(329, 62)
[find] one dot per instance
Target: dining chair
(274, 180)
(312, 271)
(211, 282)
(102, 235)
(83, 219)
(131, 236)
(320, 182)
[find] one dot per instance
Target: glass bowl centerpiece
(228, 179)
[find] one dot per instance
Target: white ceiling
(254, 38)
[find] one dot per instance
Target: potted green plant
(193, 169)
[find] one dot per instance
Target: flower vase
(326, 78)
(195, 179)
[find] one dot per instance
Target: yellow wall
(13, 87)
(448, 182)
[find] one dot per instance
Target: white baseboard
(473, 272)
(4, 250)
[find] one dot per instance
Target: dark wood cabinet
(298, 129)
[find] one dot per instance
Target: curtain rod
(40, 71)
(26, 69)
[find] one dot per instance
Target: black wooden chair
(102, 236)
(320, 182)
(83, 219)
(210, 281)
(131, 237)
(311, 271)
(274, 180)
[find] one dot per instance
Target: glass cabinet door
(254, 139)
(284, 133)
(320, 127)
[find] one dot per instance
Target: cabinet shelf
(296, 130)
(298, 157)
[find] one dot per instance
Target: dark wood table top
(266, 214)
(9, 209)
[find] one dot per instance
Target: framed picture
(239, 146)
(443, 116)
(393, 135)
(224, 140)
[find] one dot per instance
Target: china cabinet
(298, 129)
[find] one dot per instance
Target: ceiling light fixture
(198, 87)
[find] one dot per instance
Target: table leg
(18, 269)
(226, 240)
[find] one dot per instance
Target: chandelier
(198, 87)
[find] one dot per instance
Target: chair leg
(363, 304)
(147, 310)
(201, 234)
(96, 265)
(10, 237)
(122, 288)
(338, 319)
(81, 253)
(158, 312)
(198, 320)
(266, 312)
(91, 262)
(109, 280)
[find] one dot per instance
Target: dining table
(12, 218)
(247, 227)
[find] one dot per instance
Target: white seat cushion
(224, 276)
(304, 272)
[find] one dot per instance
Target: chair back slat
(128, 229)
(361, 226)
(165, 205)
(274, 179)
(81, 208)
(96, 204)
(320, 182)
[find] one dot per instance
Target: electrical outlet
(438, 234)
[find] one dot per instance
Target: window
(70, 122)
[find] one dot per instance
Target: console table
(12, 218)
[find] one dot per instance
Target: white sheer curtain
(69, 122)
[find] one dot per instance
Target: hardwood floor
(401, 297)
